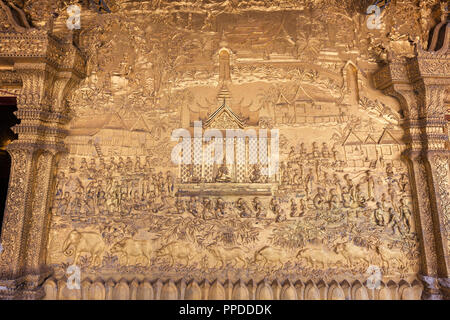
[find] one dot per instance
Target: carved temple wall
(363, 173)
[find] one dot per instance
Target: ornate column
(49, 69)
(431, 83)
(420, 84)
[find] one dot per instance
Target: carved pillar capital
(49, 70)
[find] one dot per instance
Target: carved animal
(320, 255)
(271, 255)
(134, 248)
(84, 242)
(354, 254)
(177, 251)
(226, 255)
(390, 256)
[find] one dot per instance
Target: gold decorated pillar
(420, 84)
(48, 69)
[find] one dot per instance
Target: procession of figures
(321, 209)
(311, 183)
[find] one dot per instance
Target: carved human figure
(350, 185)
(223, 174)
(161, 184)
(394, 222)
(425, 13)
(63, 204)
(72, 167)
(346, 197)
(294, 208)
(369, 181)
(194, 206)
(256, 174)
(335, 153)
(280, 215)
(60, 184)
(208, 209)
(360, 197)
(337, 182)
(392, 193)
(243, 208)
(170, 183)
(334, 200)
(92, 167)
(284, 174)
(147, 164)
(101, 202)
(112, 165)
(258, 208)
(389, 170)
(220, 208)
(137, 165)
(315, 150)
(302, 207)
(403, 182)
(303, 152)
(88, 204)
(379, 214)
(273, 203)
(309, 181)
(319, 199)
(102, 168)
(84, 171)
(326, 180)
(297, 179)
(163, 206)
(129, 165)
(76, 204)
(325, 151)
(290, 174)
(179, 205)
(121, 165)
(405, 214)
(384, 201)
(292, 154)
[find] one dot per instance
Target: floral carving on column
(16, 204)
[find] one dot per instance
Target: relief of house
(109, 135)
(371, 151)
(309, 107)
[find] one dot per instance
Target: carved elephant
(84, 242)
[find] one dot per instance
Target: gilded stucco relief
(355, 188)
(339, 202)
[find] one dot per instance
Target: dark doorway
(7, 120)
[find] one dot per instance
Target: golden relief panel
(339, 202)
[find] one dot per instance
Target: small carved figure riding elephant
(84, 242)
